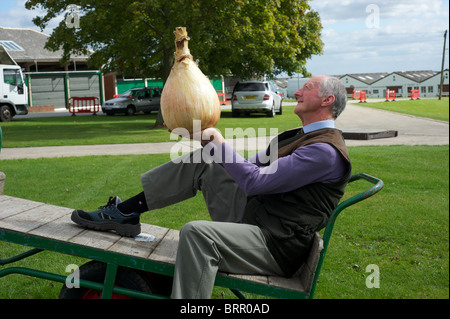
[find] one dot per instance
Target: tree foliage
(246, 38)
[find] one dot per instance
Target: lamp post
(442, 67)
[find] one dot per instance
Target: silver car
(134, 100)
(255, 97)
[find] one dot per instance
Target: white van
(13, 92)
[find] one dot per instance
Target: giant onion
(188, 95)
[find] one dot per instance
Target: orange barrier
(356, 94)
(84, 105)
(222, 98)
(390, 95)
(363, 97)
(415, 95)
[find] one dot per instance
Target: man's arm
(319, 162)
(314, 163)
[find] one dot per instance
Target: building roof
(417, 76)
(281, 82)
(27, 45)
(367, 78)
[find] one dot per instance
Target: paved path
(411, 131)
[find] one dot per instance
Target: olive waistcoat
(289, 220)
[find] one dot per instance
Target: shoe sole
(121, 229)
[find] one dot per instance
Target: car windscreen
(250, 87)
(130, 93)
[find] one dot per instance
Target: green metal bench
(125, 267)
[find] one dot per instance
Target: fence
(84, 105)
(363, 97)
(222, 98)
(390, 95)
(415, 95)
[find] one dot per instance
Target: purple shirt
(319, 162)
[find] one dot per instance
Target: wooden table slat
(62, 229)
(33, 218)
(166, 251)
(293, 283)
(129, 246)
(96, 239)
(255, 278)
(10, 206)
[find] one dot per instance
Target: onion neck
(181, 44)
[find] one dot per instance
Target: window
(423, 89)
(12, 76)
(250, 87)
(11, 46)
(430, 89)
(145, 94)
(156, 93)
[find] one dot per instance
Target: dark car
(134, 100)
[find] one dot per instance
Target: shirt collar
(318, 125)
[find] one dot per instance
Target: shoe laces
(111, 203)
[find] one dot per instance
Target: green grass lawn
(102, 129)
(430, 108)
(403, 229)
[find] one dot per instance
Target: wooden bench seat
(49, 227)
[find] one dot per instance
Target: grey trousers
(206, 247)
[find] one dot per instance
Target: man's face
(308, 99)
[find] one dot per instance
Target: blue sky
(360, 36)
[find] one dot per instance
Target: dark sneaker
(108, 218)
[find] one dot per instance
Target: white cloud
(19, 17)
(407, 36)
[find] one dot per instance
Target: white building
(361, 82)
(430, 86)
(376, 84)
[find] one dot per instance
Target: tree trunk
(167, 67)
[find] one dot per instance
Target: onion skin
(188, 94)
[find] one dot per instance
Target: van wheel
(6, 114)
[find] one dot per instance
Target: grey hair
(333, 86)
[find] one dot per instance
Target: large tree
(245, 38)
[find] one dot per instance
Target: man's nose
(298, 93)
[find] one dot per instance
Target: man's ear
(328, 100)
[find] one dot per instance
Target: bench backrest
(310, 274)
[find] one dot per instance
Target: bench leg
(238, 294)
(20, 256)
(110, 278)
